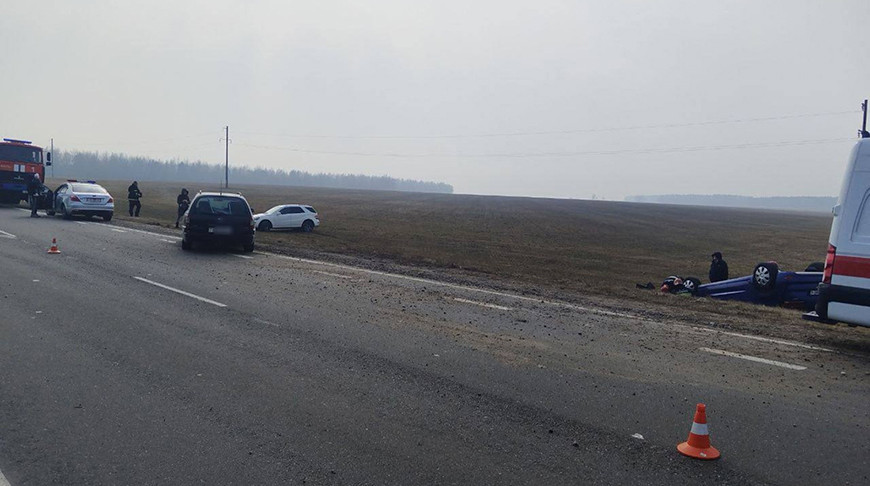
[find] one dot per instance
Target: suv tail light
(829, 264)
(74, 198)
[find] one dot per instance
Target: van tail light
(829, 264)
(75, 198)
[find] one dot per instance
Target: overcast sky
(543, 98)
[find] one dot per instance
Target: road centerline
(179, 291)
(753, 358)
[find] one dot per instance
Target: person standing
(183, 201)
(718, 268)
(133, 195)
(34, 192)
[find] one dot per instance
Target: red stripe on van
(850, 266)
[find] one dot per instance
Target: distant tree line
(799, 203)
(111, 166)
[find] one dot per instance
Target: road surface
(125, 360)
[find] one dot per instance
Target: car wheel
(307, 226)
(764, 276)
(815, 267)
(248, 248)
(691, 284)
(63, 212)
(265, 225)
(185, 245)
(107, 217)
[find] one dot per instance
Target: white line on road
(4, 234)
(82, 222)
(3, 481)
(246, 257)
(754, 358)
(483, 304)
(118, 230)
(767, 340)
(332, 274)
(173, 289)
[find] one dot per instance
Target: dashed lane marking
(246, 257)
(4, 234)
(754, 358)
(118, 230)
(767, 340)
(333, 274)
(482, 304)
(3, 481)
(179, 291)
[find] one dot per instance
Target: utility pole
(227, 154)
(864, 133)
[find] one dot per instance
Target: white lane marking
(461, 287)
(246, 257)
(22, 209)
(118, 230)
(3, 481)
(483, 304)
(262, 321)
(173, 289)
(82, 222)
(754, 358)
(4, 234)
(126, 229)
(332, 274)
(170, 241)
(767, 340)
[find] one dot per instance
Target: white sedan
(83, 198)
(288, 216)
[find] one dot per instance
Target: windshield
(91, 188)
(220, 205)
(274, 210)
(17, 153)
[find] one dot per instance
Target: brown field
(568, 248)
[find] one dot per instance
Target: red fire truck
(19, 161)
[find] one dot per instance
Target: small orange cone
(698, 445)
(53, 250)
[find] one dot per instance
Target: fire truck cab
(19, 161)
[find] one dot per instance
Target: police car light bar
(17, 141)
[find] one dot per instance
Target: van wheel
(691, 284)
(764, 276)
(185, 245)
(265, 226)
(307, 226)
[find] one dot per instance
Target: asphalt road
(125, 360)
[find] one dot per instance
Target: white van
(844, 294)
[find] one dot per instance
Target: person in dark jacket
(718, 268)
(34, 191)
(133, 195)
(183, 201)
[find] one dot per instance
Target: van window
(862, 225)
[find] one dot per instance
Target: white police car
(86, 198)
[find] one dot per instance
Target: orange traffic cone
(53, 250)
(698, 445)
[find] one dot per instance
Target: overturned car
(768, 285)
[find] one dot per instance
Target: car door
(283, 219)
(59, 195)
(295, 216)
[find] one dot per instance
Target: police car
(85, 198)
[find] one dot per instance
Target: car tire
(307, 226)
(764, 276)
(265, 225)
(107, 217)
(691, 284)
(815, 267)
(185, 245)
(248, 248)
(64, 213)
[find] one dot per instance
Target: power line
(559, 132)
(558, 154)
(147, 142)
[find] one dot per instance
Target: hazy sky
(542, 98)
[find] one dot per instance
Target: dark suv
(218, 217)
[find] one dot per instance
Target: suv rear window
(225, 205)
(310, 209)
